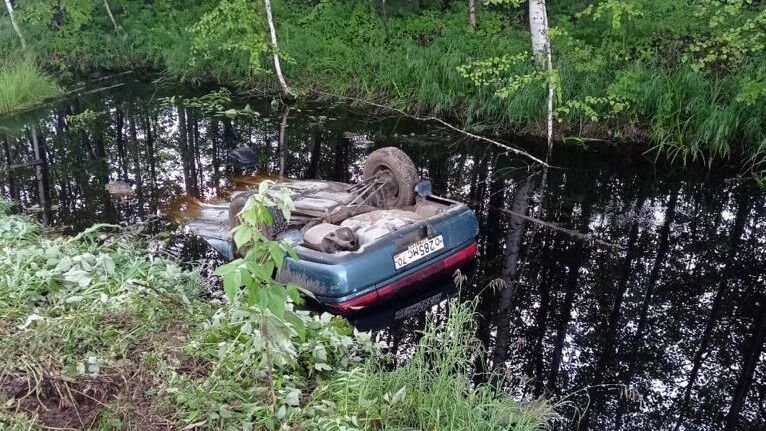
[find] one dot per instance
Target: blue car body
(352, 281)
(348, 281)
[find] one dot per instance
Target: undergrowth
(687, 80)
(78, 314)
(100, 335)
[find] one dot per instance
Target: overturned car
(365, 243)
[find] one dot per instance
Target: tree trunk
(472, 13)
(662, 252)
(514, 238)
(184, 149)
(541, 49)
(538, 26)
(384, 12)
(341, 159)
(723, 285)
(578, 254)
(120, 140)
(199, 170)
(275, 49)
(136, 155)
(41, 172)
(15, 25)
(150, 151)
(111, 17)
(659, 261)
(14, 191)
(316, 148)
(216, 154)
(541, 321)
(283, 141)
(609, 342)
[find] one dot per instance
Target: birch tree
(472, 13)
(9, 6)
(275, 51)
(538, 26)
(237, 26)
(498, 71)
(541, 50)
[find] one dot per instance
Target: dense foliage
(689, 77)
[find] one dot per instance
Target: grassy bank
(689, 79)
(23, 84)
(100, 335)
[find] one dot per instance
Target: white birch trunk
(472, 13)
(275, 48)
(9, 6)
(541, 49)
(538, 26)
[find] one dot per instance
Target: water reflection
(653, 314)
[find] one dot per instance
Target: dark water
(640, 278)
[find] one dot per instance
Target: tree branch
(505, 147)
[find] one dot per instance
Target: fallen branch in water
(507, 148)
(571, 232)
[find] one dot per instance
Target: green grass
(23, 84)
(432, 391)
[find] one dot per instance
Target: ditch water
(639, 277)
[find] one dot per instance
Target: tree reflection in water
(677, 311)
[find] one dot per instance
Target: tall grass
(433, 391)
(22, 84)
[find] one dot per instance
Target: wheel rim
(387, 186)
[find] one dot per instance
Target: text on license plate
(418, 250)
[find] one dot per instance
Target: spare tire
(395, 175)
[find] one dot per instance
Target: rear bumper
(389, 290)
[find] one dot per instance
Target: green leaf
(227, 268)
(277, 300)
(230, 287)
(265, 271)
(297, 323)
(294, 293)
(277, 254)
(260, 297)
(242, 234)
(304, 291)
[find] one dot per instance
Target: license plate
(418, 251)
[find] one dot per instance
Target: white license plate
(418, 251)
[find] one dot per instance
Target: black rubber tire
(403, 170)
